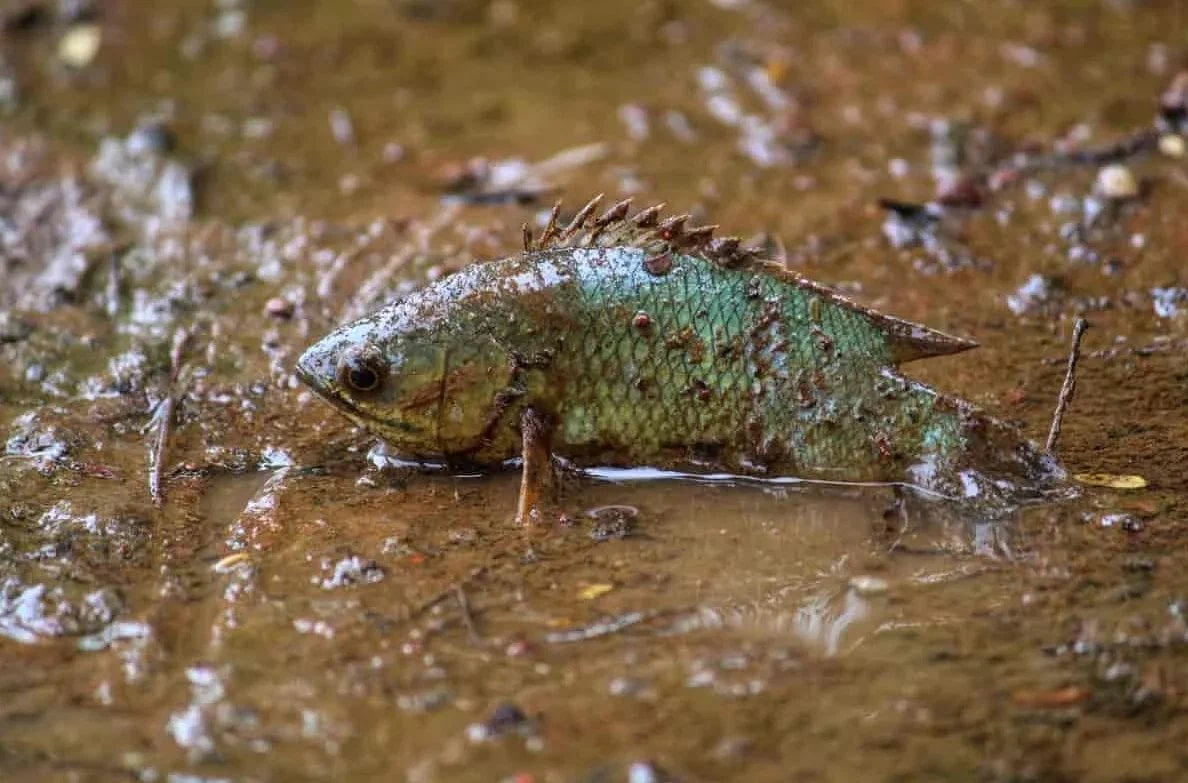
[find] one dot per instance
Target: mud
(299, 607)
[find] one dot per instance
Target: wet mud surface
(190, 196)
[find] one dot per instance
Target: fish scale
(668, 391)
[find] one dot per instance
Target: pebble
(151, 137)
(518, 648)
(868, 585)
(625, 686)
(350, 571)
(1168, 302)
(79, 45)
(1036, 291)
(612, 522)
(279, 307)
(635, 118)
(230, 24)
(678, 125)
(1128, 522)
(1172, 145)
(257, 128)
(393, 152)
(1116, 182)
(1173, 104)
(504, 718)
(342, 127)
(646, 772)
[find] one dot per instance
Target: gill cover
(479, 388)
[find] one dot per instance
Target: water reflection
(796, 560)
(819, 621)
(825, 566)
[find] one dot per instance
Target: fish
(630, 340)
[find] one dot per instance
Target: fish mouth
(314, 374)
(305, 374)
(316, 371)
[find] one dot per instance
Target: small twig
(565, 160)
(467, 618)
(180, 338)
(604, 627)
(452, 590)
(163, 417)
(1070, 385)
(1137, 143)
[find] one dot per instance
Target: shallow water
(289, 612)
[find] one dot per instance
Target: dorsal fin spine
(906, 341)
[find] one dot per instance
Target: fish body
(635, 345)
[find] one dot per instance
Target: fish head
(428, 391)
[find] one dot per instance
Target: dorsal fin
(642, 230)
(908, 341)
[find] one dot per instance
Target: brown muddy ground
(191, 203)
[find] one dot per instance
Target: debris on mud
(30, 613)
(608, 523)
(1038, 295)
(931, 227)
(648, 772)
(504, 719)
(1169, 301)
(1116, 182)
(352, 570)
(515, 181)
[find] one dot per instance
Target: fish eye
(362, 371)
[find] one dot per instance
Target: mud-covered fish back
(659, 238)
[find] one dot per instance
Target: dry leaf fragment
(1111, 480)
(590, 592)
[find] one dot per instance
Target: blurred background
(206, 576)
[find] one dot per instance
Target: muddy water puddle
(416, 623)
(805, 564)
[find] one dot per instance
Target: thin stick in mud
(604, 627)
(1069, 386)
(452, 590)
(467, 617)
(163, 418)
